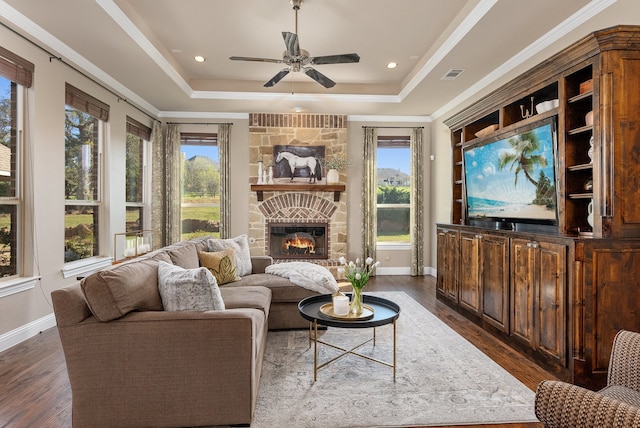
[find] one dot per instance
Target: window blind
(138, 129)
(15, 68)
(82, 101)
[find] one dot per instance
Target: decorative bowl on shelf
(547, 105)
(486, 131)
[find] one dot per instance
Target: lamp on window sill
(128, 245)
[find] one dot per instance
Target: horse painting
(297, 162)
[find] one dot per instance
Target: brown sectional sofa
(130, 363)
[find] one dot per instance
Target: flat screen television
(510, 179)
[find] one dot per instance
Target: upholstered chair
(560, 404)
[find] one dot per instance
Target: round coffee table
(384, 312)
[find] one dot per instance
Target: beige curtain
(157, 186)
(417, 207)
(369, 190)
(224, 141)
(165, 183)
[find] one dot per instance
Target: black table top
(384, 312)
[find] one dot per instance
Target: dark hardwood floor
(35, 392)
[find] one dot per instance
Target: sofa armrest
(624, 367)
(198, 366)
(260, 263)
(560, 404)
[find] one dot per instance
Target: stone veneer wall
(267, 130)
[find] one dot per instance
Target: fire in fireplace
(298, 240)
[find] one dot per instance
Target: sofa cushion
(241, 245)
(184, 255)
(251, 297)
(131, 286)
(221, 264)
(281, 288)
(188, 289)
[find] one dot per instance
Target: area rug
(441, 379)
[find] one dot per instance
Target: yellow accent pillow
(222, 264)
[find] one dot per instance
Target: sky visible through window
(4, 87)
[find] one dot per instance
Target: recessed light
(392, 65)
(199, 58)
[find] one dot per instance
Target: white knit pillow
(188, 289)
(241, 245)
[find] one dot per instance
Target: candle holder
(128, 245)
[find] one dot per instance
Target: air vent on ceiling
(452, 74)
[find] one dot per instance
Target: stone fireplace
(304, 209)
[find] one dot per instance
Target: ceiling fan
(298, 59)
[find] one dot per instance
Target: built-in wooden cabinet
(538, 295)
(448, 260)
(558, 293)
(470, 291)
(494, 274)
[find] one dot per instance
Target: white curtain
(369, 191)
(417, 207)
(224, 141)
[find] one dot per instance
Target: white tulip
(358, 276)
(343, 261)
(369, 260)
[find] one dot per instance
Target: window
(16, 74)
(9, 198)
(200, 205)
(393, 202)
(84, 121)
(138, 136)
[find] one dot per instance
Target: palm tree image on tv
(526, 157)
(512, 178)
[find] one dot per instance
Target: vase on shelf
(590, 214)
(260, 175)
(333, 177)
(590, 151)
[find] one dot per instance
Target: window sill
(85, 267)
(393, 247)
(17, 285)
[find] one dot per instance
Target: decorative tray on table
(367, 313)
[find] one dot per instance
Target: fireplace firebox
(298, 240)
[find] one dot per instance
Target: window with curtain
(393, 198)
(200, 171)
(138, 137)
(85, 117)
(16, 74)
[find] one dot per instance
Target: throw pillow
(241, 245)
(188, 289)
(222, 264)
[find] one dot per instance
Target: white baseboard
(405, 270)
(26, 331)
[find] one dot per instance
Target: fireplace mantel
(335, 188)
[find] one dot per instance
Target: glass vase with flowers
(357, 273)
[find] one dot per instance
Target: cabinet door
(522, 290)
(447, 281)
(494, 276)
(550, 300)
(469, 272)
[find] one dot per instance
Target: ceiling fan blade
(248, 58)
(291, 42)
(278, 77)
(319, 77)
(336, 59)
